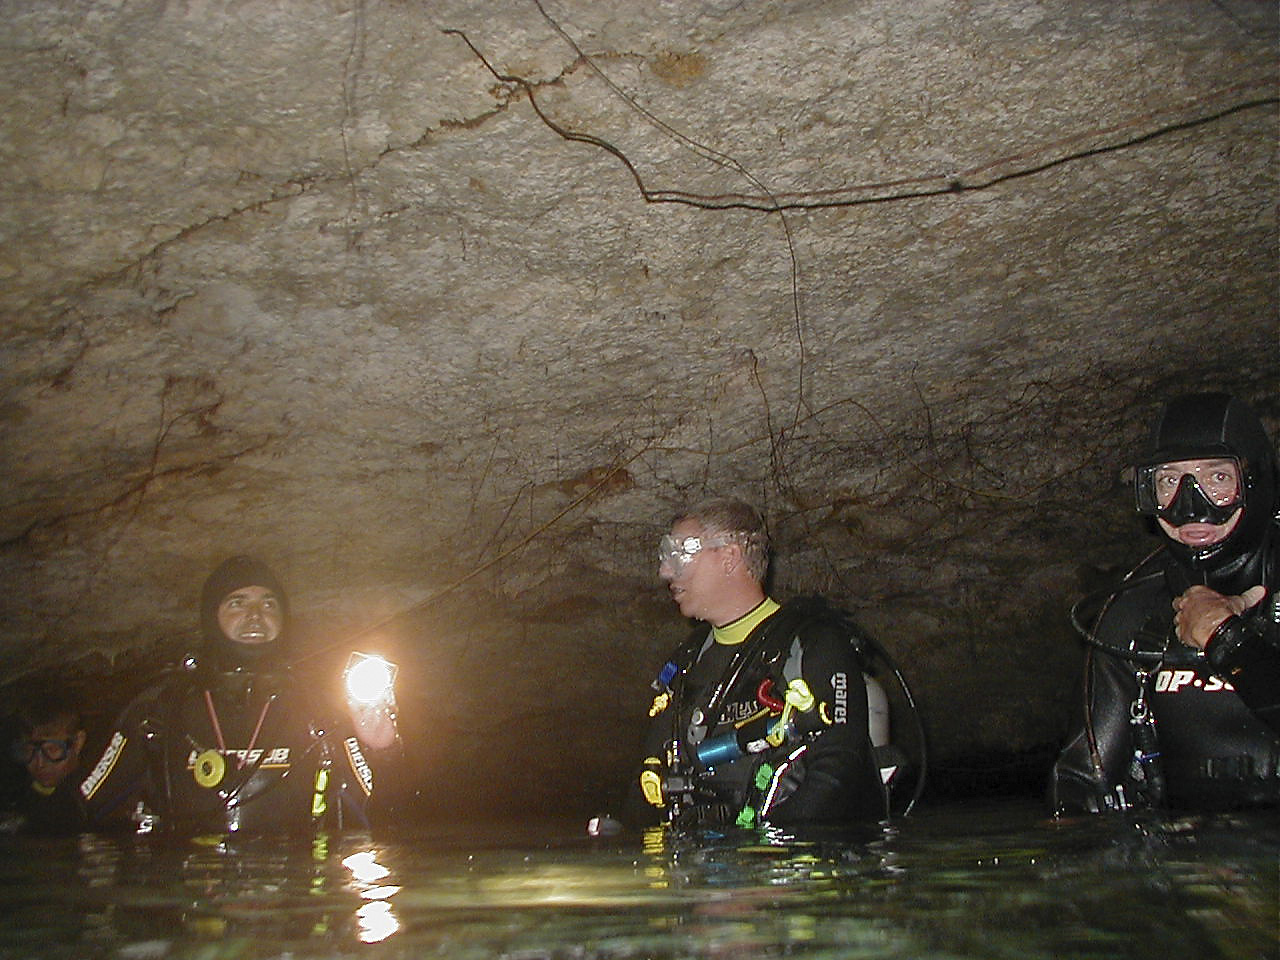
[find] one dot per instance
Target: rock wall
(444, 309)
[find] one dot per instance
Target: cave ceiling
(445, 308)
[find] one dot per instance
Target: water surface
(989, 880)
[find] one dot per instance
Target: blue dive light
(718, 750)
(728, 747)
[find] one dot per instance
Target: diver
(1182, 674)
(49, 744)
(231, 742)
(764, 719)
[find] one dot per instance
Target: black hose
(1178, 656)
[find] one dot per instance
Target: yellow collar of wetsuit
(738, 630)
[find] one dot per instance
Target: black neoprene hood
(233, 574)
(1208, 425)
(1202, 425)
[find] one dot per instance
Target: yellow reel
(209, 769)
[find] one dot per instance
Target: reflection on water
(989, 881)
(376, 918)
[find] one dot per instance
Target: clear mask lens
(53, 751)
(676, 554)
(1205, 491)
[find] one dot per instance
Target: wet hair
(736, 521)
(44, 704)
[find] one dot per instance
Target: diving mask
(1190, 491)
(675, 554)
(53, 751)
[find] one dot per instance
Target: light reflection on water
(970, 881)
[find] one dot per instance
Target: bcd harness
(771, 739)
(1151, 651)
(234, 783)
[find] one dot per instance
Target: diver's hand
(375, 723)
(1200, 611)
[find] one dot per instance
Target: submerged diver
(231, 742)
(1182, 679)
(763, 719)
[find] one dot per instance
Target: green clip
(763, 775)
(747, 818)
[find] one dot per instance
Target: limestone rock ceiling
(444, 308)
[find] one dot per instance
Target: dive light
(370, 678)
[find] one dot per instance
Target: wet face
(690, 569)
(1218, 480)
(51, 751)
(251, 615)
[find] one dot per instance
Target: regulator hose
(1172, 654)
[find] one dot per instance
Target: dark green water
(964, 881)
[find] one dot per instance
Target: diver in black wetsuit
(231, 742)
(1182, 680)
(763, 719)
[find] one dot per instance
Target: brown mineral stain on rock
(679, 69)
